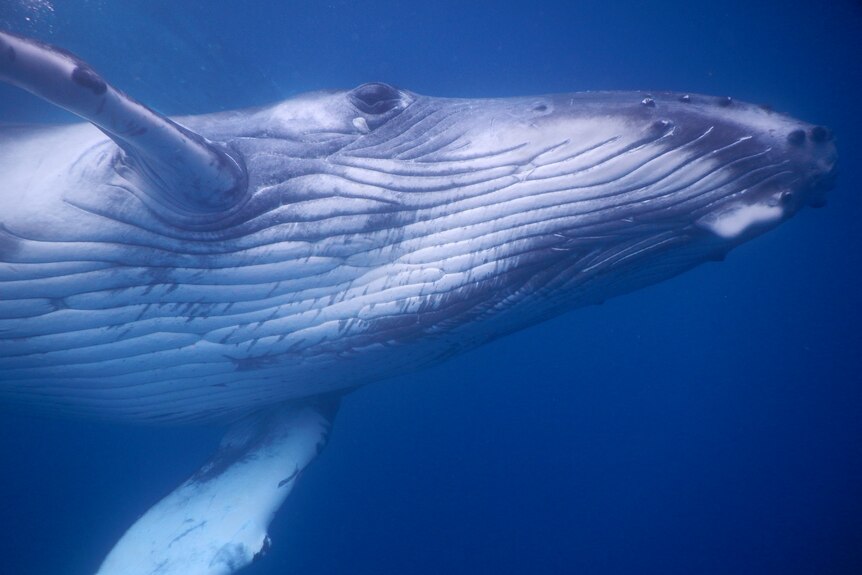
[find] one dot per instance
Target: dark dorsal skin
(207, 266)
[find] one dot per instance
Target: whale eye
(375, 98)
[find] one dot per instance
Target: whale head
(547, 202)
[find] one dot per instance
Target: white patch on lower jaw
(734, 220)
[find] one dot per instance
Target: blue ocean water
(711, 424)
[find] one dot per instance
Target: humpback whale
(251, 267)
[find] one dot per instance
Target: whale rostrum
(251, 267)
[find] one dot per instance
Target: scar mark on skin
(87, 78)
(289, 478)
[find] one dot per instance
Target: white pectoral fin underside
(215, 523)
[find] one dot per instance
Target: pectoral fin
(215, 523)
(166, 159)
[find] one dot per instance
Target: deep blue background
(710, 424)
